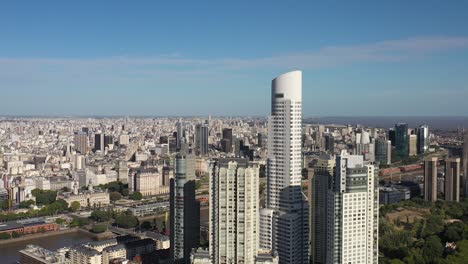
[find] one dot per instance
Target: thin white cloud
(384, 51)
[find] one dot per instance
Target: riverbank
(100, 236)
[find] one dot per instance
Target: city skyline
(100, 59)
(208, 132)
(233, 198)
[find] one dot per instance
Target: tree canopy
(75, 206)
(114, 196)
(44, 197)
(126, 221)
(136, 196)
(422, 240)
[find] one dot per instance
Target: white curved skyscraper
(286, 211)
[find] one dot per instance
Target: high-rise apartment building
(260, 140)
(329, 143)
(430, 178)
(99, 142)
(391, 136)
(184, 211)
(201, 140)
(383, 151)
(284, 200)
(423, 139)
(181, 134)
(108, 140)
(226, 141)
(352, 212)
(413, 145)
(238, 145)
(233, 211)
(452, 179)
(80, 140)
(318, 196)
(122, 172)
(401, 140)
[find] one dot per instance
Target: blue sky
(218, 57)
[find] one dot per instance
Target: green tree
(461, 255)
(60, 221)
(26, 204)
(101, 216)
(454, 210)
(116, 186)
(136, 196)
(414, 257)
(79, 221)
(15, 235)
(99, 229)
(432, 249)
(126, 221)
(454, 232)
(75, 206)
(434, 225)
(4, 205)
(44, 197)
(62, 205)
(5, 236)
(114, 196)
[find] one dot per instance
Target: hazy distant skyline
(201, 58)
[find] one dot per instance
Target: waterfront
(9, 253)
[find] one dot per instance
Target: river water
(9, 253)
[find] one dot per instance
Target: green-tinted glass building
(401, 140)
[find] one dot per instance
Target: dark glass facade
(401, 140)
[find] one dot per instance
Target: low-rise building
(82, 254)
(200, 256)
(101, 245)
(86, 198)
(148, 209)
(113, 253)
(27, 226)
(162, 241)
(37, 255)
(149, 182)
(266, 257)
(140, 247)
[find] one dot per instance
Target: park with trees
(428, 233)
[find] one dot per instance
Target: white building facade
(233, 211)
(289, 226)
(352, 226)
